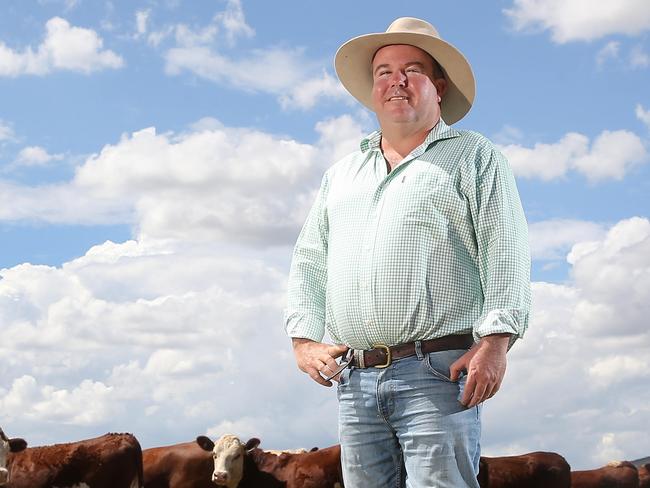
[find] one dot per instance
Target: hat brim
(353, 64)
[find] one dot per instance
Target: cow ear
(17, 445)
(252, 443)
(205, 443)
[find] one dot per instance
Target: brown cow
(6, 446)
(239, 465)
(178, 466)
(644, 475)
(617, 474)
(109, 461)
(532, 470)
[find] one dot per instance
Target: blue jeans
(404, 426)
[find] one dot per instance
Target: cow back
(315, 469)
(615, 475)
(109, 461)
(183, 465)
(532, 470)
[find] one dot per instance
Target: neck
(397, 141)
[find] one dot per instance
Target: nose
(4, 476)
(398, 78)
(220, 478)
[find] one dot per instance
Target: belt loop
(359, 358)
(418, 350)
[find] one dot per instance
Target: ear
(205, 443)
(252, 443)
(441, 86)
(17, 445)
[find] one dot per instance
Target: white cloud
(552, 239)
(286, 72)
(141, 20)
(233, 21)
(643, 115)
(611, 155)
(282, 72)
(582, 376)
(6, 132)
(87, 404)
(64, 47)
(35, 156)
(307, 93)
(580, 20)
(167, 329)
(610, 51)
(615, 276)
(546, 161)
(639, 58)
(212, 183)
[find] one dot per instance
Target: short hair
(438, 72)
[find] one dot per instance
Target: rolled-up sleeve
(503, 252)
(306, 293)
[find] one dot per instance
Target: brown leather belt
(382, 356)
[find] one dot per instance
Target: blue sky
(157, 159)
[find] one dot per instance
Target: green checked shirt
(437, 246)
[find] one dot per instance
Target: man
(415, 259)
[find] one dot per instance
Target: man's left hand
(485, 364)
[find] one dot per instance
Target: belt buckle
(389, 358)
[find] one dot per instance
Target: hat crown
(412, 25)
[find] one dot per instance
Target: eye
(413, 69)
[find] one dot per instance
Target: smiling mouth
(397, 98)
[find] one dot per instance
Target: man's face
(404, 89)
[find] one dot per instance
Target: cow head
(6, 446)
(228, 453)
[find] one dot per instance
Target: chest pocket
(425, 197)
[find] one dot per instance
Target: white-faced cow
(6, 446)
(644, 475)
(617, 474)
(532, 470)
(239, 465)
(109, 461)
(183, 465)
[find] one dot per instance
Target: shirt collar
(440, 131)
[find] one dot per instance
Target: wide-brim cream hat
(353, 63)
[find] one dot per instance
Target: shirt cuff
(299, 325)
(497, 322)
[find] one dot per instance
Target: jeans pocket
(438, 363)
(344, 378)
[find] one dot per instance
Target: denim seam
(380, 403)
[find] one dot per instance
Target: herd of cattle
(117, 461)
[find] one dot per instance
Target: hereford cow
(109, 461)
(239, 465)
(6, 446)
(179, 466)
(532, 470)
(617, 474)
(644, 475)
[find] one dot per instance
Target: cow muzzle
(220, 478)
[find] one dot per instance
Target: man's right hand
(317, 358)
